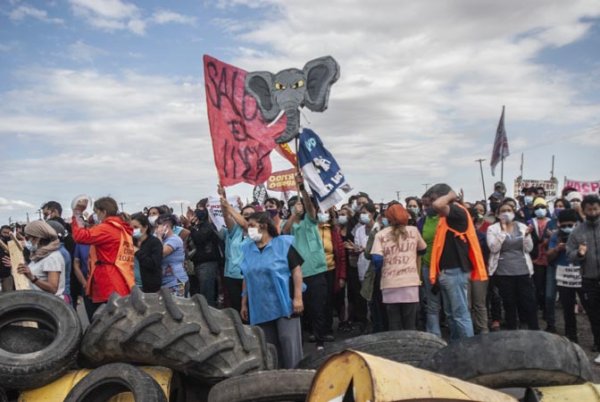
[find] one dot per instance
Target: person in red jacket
(111, 257)
(335, 255)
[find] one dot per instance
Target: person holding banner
(566, 276)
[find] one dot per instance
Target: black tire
(513, 359)
(409, 347)
(183, 334)
(3, 397)
(19, 339)
(107, 381)
(33, 370)
(264, 386)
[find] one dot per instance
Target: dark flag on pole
(500, 151)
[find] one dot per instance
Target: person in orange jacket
(112, 256)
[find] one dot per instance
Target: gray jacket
(589, 234)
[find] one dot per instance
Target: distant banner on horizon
(551, 186)
(241, 139)
(282, 181)
(583, 187)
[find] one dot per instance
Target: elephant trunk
(292, 127)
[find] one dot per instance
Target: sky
(106, 97)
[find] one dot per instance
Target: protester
(478, 290)
(148, 255)
(6, 279)
(394, 253)
(455, 257)
(583, 248)
(80, 271)
(174, 277)
(575, 198)
(557, 257)
(111, 252)
(540, 234)
(510, 264)
(414, 207)
(273, 208)
(61, 233)
(272, 295)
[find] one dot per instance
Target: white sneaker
(597, 360)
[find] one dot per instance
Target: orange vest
(479, 271)
(124, 261)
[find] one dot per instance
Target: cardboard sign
(583, 187)
(241, 139)
(215, 212)
(568, 276)
(282, 181)
(550, 186)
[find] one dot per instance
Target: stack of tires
(41, 339)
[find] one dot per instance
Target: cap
(539, 201)
(574, 195)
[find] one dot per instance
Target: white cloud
(10, 205)
(83, 53)
(166, 16)
(25, 11)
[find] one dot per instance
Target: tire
(185, 335)
(264, 386)
(3, 397)
(18, 339)
(33, 370)
(107, 381)
(513, 359)
(409, 347)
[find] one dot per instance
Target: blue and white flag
(321, 170)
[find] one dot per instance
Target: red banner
(241, 139)
(282, 181)
(583, 187)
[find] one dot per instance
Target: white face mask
(152, 219)
(254, 234)
(323, 217)
(507, 217)
(365, 218)
(342, 219)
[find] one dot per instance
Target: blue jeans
(206, 273)
(454, 284)
(432, 309)
(551, 295)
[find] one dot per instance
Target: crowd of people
(436, 262)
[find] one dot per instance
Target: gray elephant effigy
(290, 89)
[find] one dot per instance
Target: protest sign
(583, 187)
(241, 139)
(568, 276)
(550, 186)
(282, 181)
(215, 212)
(259, 194)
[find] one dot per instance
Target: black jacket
(149, 257)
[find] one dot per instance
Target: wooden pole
(482, 179)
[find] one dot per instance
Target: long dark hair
(263, 218)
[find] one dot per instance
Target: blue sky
(107, 96)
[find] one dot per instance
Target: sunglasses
(536, 208)
(567, 226)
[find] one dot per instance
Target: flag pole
(482, 179)
(502, 170)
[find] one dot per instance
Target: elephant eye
(279, 86)
(299, 84)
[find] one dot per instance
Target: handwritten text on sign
(584, 187)
(282, 181)
(241, 139)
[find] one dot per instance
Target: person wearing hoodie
(583, 249)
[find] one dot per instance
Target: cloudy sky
(107, 96)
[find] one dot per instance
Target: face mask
(540, 213)
(152, 220)
(528, 200)
(6, 239)
(385, 222)
(201, 214)
(323, 217)
(342, 219)
(254, 234)
(30, 246)
(272, 212)
(507, 217)
(365, 218)
(592, 219)
(137, 233)
(480, 217)
(566, 230)
(414, 210)
(557, 211)
(355, 206)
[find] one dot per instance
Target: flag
(500, 151)
(286, 151)
(321, 170)
(241, 139)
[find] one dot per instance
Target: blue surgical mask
(528, 200)
(323, 217)
(137, 233)
(365, 218)
(540, 213)
(566, 230)
(414, 210)
(30, 246)
(385, 222)
(342, 219)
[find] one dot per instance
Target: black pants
(590, 289)
(379, 315)
(357, 303)
(330, 277)
(402, 316)
(539, 279)
(233, 287)
(567, 300)
(494, 300)
(518, 293)
(315, 305)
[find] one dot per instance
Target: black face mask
(592, 219)
(201, 214)
(494, 206)
(6, 239)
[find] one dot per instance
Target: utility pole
(181, 206)
(552, 171)
(482, 179)
(398, 195)
(122, 203)
(426, 186)
(27, 213)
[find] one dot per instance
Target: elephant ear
(260, 85)
(320, 75)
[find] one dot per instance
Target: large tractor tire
(264, 386)
(112, 379)
(409, 347)
(513, 359)
(183, 334)
(52, 348)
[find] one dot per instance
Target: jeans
(518, 294)
(206, 273)
(432, 308)
(453, 284)
(551, 295)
